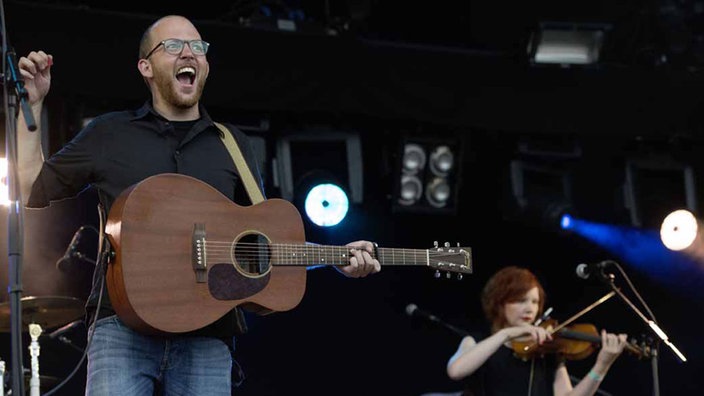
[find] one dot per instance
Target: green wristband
(596, 377)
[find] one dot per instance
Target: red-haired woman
(512, 300)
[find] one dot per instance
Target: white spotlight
(679, 230)
(326, 204)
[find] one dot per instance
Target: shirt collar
(148, 108)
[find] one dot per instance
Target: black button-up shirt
(119, 149)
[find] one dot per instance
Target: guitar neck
(311, 255)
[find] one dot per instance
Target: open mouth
(186, 75)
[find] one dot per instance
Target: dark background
(455, 70)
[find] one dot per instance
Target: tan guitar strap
(255, 194)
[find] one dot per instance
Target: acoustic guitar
(185, 255)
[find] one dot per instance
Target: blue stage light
(566, 221)
(326, 204)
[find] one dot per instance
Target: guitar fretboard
(453, 259)
(283, 254)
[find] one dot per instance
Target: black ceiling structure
(455, 63)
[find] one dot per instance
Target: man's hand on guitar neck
(361, 261)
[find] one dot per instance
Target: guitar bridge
(198, 257)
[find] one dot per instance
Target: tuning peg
(437, 274)
(459, 276)
(447, 244)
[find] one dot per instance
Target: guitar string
(314, 245)
(243, 245)
(302, 245)
(342, 253)
(246, 247)
(283, 251)
(293, 253)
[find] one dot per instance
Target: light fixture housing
(428, 175)
(656, 185)
(567, 43)
(319, 149)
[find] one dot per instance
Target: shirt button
(178, 152)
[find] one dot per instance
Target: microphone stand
(414, 311)
(609, 279)
(463, 333)
(454, 329)
(12, 79)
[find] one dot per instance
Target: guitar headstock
(452, 259)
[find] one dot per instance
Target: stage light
(428, 180)
(315, 156)
(566, 221)
(326, 204)
(655, 186)
(541, 176)
(567, 43)
(437, 192)
(557, 215)
(412, 164)
(543, 193)
(413, 160)
(441, 161)
(679, 230)
(411, 190)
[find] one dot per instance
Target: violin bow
(584, 311)
(575, 317)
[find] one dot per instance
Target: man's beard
(166, 86)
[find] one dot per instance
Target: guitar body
(151, 280)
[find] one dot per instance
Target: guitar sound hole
(253, 254)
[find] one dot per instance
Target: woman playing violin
(513, 299)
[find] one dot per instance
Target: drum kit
(40, 313)
(47, 319)
(48, 312)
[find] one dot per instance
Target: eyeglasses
(175, 46)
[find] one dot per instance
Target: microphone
(413, 310)
(65, 329)
(64, 263)
(584, 271)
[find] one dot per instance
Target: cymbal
(46, 311)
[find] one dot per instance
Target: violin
(574, 342)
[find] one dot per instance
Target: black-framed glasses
(175, 46)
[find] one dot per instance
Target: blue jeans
(124, 362)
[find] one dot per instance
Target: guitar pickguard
(226, 283)
(249, 271)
